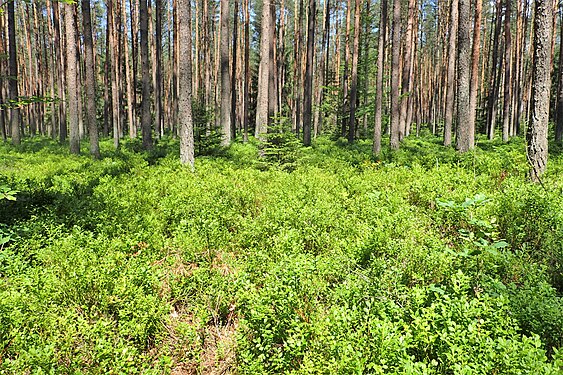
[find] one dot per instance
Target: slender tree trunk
(263, 75)
(474, 72)
(308, 89)
(494, 80)
(107, 84)
(463, 139)
(113, 56)
(450, 96)
(90, 81)
(506, 112)
(354, 83)
(234, 90)
(559, 117)
(298, 40)
(345, 93)
(158, 94)
(135, 59)
(406, 69)
(539, 117)
(395, 99)
(128, 76)
(380, 60)
(272, 100)
(13, 68)
(185, 82)
(72, 88)
(146, 76)
(225, 76)
(246, 68)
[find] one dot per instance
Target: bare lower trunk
(90, 81)
(450, 96)
(225, 75)
(72, 83)
(185, 83)
(379, 83)
(146, 76)
(13, 68)
(463, 139)
(395, 99)
(539, 116)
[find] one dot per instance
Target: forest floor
(305, 260)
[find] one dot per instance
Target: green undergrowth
(276, 258)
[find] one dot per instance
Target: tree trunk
(263, 76)
(225, 75)
(506, 112)
(90, 81)
(234, 90)
(13, 70)
(345, 93)
(298, 40)
(559, 117)
(407, 69)
(380, 60)
(308, 89)
(474, 72)
(146, 76)
(158, 113)
(395, 66)
(463, 139)
(128, 76)
(449, 115)
(541, 84)
(494, 77)
(246, 68)
(354, 83)
(185, 82)
(72, 83)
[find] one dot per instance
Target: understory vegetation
(276, 258)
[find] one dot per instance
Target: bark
(395, 100)
(90, 81)
(406, 75)
(72, 83)
(263, 75)
(158, 113)
(146, 76)
(225, 76)
(559, 117)
(506, 112)
(495, 72)
(379, 84)
(538, 124)
(463, 140)
(13, 71)
(246, 68)
(298, 40)
(128, 77)
(308, 89)
(345, 93)
(474, 71)
(450, 92)
(354, 83)
(234, 73)
(185, 83)
(113, 57)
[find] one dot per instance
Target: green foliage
(281, 146)
(275, 258)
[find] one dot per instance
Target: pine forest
(281, 187)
